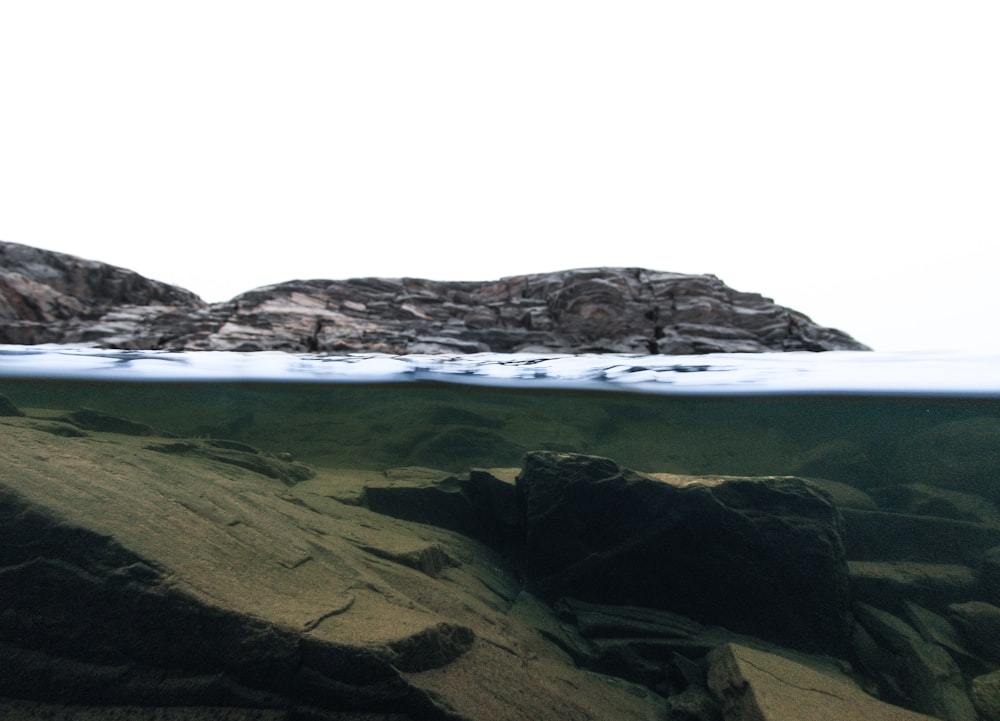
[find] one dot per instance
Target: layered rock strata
(48, 297)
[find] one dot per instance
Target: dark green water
(867, 441)
(915, 477)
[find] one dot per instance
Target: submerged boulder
(754, 685)
(756, 555)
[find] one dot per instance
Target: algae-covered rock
(980, 623)
(986, 695)
(754, 685)
(7, 407)
(925, 672)
(160, 574)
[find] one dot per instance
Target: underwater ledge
(200, 575)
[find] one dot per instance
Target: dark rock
(603, 621)
(50, 297)
(989, 575)
(979, 623)
(928, 676)
(479, 505)
(659, 649)
(239, 454)
(7, 407)
(433, 647)
(986, 695)
(759, 556)
(693, 704)
(935, 628)
(91, 420)
(166, 578)
(888, 584)
(108, 620)
(755, 685)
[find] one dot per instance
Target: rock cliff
(48, 297)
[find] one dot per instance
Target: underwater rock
(925, 672)
(888, 584)
(693, 704)
(754, 685)
(841, 459)
(986, 695)
(480, 504)
(238, 454)
(980, 625)
(7, 407)
(90, 420)
(762, 556)
(171, 579)
(935, 628)
(989, 575)
(48, 297)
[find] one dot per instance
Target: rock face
(151, 575)
(757, 686)
(48, 297)
(181, 583)
(759, 556)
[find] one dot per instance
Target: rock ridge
(49, 297)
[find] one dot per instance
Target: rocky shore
(48, 297)
(146, 575)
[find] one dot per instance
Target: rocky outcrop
(760, 556)
(48, 297)
(149, 575)
(756, 685)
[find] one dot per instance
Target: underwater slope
(144, 575)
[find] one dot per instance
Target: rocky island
(48, 297)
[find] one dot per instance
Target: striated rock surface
(48, 297)
(155, 575)
(146, 577)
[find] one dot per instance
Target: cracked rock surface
(139, 572)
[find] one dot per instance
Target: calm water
(867, 419)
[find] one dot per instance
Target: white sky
(840, 157)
